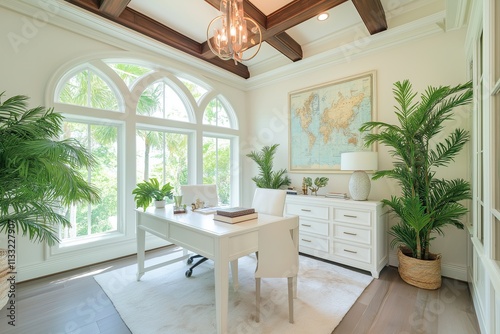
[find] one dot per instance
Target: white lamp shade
(359, 161)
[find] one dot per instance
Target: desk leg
(234, 274)
(221, 273)
(141, 247)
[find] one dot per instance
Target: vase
(425, 274)
(159, 204)
(178, 201)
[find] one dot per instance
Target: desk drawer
(353, 217)
(309, 226)
(352, 234)
(310, 211)
(352, 252)
(316, 243)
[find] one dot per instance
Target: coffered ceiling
(291, 31)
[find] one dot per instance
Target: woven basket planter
(425, 274)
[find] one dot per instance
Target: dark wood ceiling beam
(113, 7)
(149, 27)
(286, 45)
(372, 13)
(273, 27)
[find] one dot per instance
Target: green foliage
(146, 191)
(319, 182)
(268, 178)
(307, 181)
(39, 174)
(426, 204)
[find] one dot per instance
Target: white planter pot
(159, 204)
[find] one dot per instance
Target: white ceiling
(321, 42)
(191, 18)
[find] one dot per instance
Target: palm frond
(39, 173)
(267, 178)
(426, 204)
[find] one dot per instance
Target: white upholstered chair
(269, 201)
(204, 192)
(277, 258)
(278, 254)
(190, 194)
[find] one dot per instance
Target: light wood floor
(72, 302)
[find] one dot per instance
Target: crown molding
(72, 18)
(347, 52)
(266, 73)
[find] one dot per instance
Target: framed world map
(325, 120)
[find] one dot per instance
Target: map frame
(332, 86)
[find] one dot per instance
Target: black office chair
(189, 272)
(208, 194)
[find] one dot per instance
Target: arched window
(216, 114)
(196, 90)
(161, 101)
(87, 89)
(154, 134)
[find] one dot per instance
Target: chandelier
(233, 34)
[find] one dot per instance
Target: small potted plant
(147, 191)
(319, 182)
(268, 178)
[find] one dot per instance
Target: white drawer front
(315, 243)
(352, 252)
(311, 211)
(313, 227)
(352, 234)
(352, 216)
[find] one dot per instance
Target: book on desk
(235, 215)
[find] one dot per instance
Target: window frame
(128, 122)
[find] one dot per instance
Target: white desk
(223, 243)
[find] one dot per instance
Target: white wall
(31, 52)
(434, 60)
(42, 48)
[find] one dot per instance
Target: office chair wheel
(189, 272)
(189, 261)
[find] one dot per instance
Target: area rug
(165, 301)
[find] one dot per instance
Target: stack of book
(235, 215)
(336, 195)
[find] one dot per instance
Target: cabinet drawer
(352, 252)
(352, 216)
(316, 243)
(313, 227)
(311, 211)
(352, 234)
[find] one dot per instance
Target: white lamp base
(359, 185)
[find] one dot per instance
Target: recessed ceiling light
(323, 16)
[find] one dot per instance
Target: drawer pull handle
(350, 251)
(349, 233)
(350, 216)
(306, 210)
(306, 225)
(306, 240)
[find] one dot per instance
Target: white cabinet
(350, 232)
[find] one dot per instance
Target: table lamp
(359, 183)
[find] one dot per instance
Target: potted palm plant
(427, 203)
(39, 174)
(268, 178)
(147, 191)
